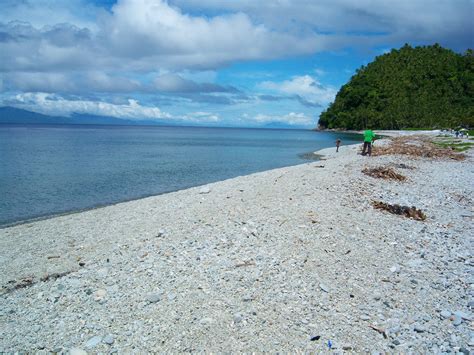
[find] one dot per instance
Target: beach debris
(416, 146)
(409, 212)
(404, 166)
(53, 257)
(329, 344)
(316, 337)
(82, 263)
(384, 173)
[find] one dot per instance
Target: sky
(245, 63)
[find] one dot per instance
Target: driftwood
(384, 173)
(416, 146)
(410, 212)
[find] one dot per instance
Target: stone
(93, 342)
(419, 328)
(237, 318)
(77, 351)
(445, 314)
(324, 287)
(396, 342)
(464, 351)
(457, 320)
(463, 315)
(365, 317)
(204, 190)
(108, 339)
(153, 297)
(161, 233)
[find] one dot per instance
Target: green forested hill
(421, 87)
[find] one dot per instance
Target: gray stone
(457, 320)
(77, 351)
(419, 328)
(463, 315)
(365, 317)
(464, 351)
(108, 339)
(471, 304)
(153, 297)
(237, 318)
(445, 314)
(204, 190)
(93, 342)
(396, 342)
(324, 287)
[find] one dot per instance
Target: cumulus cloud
(58, 106)
(308, 90)
(292, 118)
(445, 21)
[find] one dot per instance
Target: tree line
(420, 87)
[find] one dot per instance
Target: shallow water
(46, 170)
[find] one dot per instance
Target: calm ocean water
(46, 170)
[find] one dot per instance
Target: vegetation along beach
(181, 176)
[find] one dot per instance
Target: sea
(47, 170)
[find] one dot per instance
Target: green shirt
(369, 136)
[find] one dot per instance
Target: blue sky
(244, 63)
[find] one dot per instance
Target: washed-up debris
(416, 146)
(246, 263)
(316, 337)
(410, 212)
(384, 173)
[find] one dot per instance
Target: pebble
(445, 314)
(108, 339)
(93, 342)
(419, 328)
(457, 320)
(237, 318)
(204, 190)
(365, 317)
(153, 297)
(77, 351)
(324, 287)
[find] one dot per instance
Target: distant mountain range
(20, 116)
(13, 115)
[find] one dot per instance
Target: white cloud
(58, 106)
(292, 118)
(202, 117)
(307, 88)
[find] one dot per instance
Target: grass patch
(453, 144)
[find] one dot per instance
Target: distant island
(423, 87)
(14, 115)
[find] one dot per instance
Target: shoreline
(266, 261)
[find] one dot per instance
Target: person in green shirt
(369, 137)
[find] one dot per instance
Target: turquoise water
(46, 170)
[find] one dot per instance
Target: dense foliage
(421, 87)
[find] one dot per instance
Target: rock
(237, 318)
(108, 339)
(93, 342)
(471, 342)
(457, 320)
(377, 296)
(464, 351)
(153, 297)
(324, 287)
(463, 315)
(99, 295)
(204, 190)
(161, 233)
(365, 317)
(206, 321)
(471, 304)
(445, 314)
(396, 342)
(419, 328)
(77, 351)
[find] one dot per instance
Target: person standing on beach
(338, 143)
(369, 137)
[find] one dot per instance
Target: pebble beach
(292, 259)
